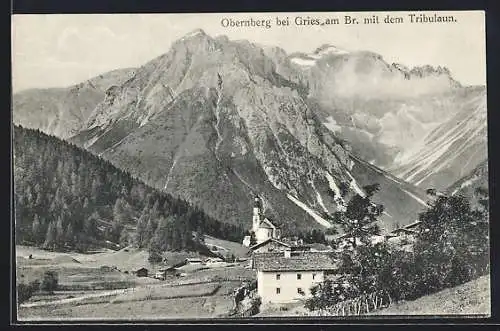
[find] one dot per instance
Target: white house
(288, 276)
(247, 241)
(262, 226)
(214, 261)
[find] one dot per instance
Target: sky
(59, 50)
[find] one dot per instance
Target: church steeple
(257, 212)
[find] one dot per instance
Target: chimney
(288, 253)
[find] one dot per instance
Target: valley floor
(101, 287)
(95, 289)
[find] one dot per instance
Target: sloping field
(132, 258)
(472, 298)
(155, 302)
(178, 308)
(167, 292)
(23, 252)
(223, 247)
(126, 259)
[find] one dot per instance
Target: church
(262, 227)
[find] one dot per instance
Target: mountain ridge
(239, 119)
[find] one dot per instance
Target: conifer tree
(60, 234)
(358, 219)
(50, 237)
(36, 229)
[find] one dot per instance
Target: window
(278, 290)
(299, 290)
(314, 275)
(278, 276)
(299, 276)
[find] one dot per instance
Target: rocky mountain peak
(214, 114)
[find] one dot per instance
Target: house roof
(413, 225)
(166, 269)
(267, 223)
(267, 241)
(319, 247)
(141, 269)
(214, 259)
(193, 259)
(305, 261)
(405, 230)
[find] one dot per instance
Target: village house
(194, 260)
(262, 226)
(163, 273)
(288, 276)
(415, 226)
(318, 247)
(214, 260)
(142, 272)
(405, 233)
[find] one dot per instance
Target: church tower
(257, 212)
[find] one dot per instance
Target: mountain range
(216, 121)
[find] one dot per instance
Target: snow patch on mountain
(309, 60)
(90, 142)
(217, 123)
(320, 201)
(318, 197)
(331, 124)
(465, 184)
(306, 62)
(170, 173)
(311, 212)
(328, 50)
(194, 33)
(332, 184)
(415, 197)
(354, 185)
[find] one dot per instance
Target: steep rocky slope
(215, 121)
(467, 185)
(214, 115)
(63, 111)
(419, 124)
(451, 150)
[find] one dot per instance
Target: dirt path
(105, 294)
(76, 299)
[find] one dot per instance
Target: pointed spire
(257, 202)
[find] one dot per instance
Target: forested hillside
(67, 198)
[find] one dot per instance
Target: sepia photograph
(225, 166)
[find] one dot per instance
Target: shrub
(256, 302)
(49, 281)
(26, 291)
(451, 248)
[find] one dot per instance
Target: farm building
(317, 247)
(165, 272)
(194, 260)
(287, 276)
(403, 232)
(212, 260)
(415, 226)
(142, 272)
